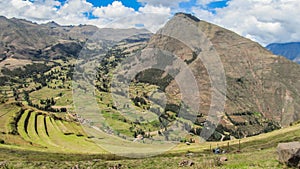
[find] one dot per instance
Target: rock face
(289, 153)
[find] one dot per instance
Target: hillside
(262, 91)
(289, 50)
(253, 152)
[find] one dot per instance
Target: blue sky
(135, 4)
(187, 5)
(128, 3)
(264, 21)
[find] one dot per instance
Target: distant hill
(289, 50)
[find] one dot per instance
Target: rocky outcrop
(223, 159)
(185, 163)
(289, 153)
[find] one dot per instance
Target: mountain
(262, 89)
(289, 50)
(27, 41)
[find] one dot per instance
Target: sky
(264, 21)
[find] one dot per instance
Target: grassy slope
(256, 152)
(7, 113)
(43, 133)
(22, 127)
(34, 136)
(70, 143)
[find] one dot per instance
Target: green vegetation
(156, 77)
(8, 111)
(42, 131)
(254, 152)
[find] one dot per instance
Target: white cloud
(265, 21)
(73, 12)
(28, 10)
(165, 3)
(152, 17)
(206, 2)
(155, 9)
(115, 10)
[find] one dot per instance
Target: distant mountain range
(23, 40)
(289, 50)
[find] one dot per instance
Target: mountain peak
(52, 24)
(186, 15)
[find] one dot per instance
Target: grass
(31, 159)
(66, 151)
(22, 127)
(113, 119)
(70, 143)
(63, 128)
(48, 93)
(262, 141)
(121, 122)
(42, 131)
(66, 98)
(32, 131)
(77, 128)
(254, 159)
(7, 113)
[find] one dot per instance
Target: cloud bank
(264, 21)
(74, 12)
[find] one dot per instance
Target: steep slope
(262, 88)
(289, 50)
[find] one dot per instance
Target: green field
(56, 144)
(46, 93)
(42, 132)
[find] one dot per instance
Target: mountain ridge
(290, 50)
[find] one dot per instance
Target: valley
(89, 97)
